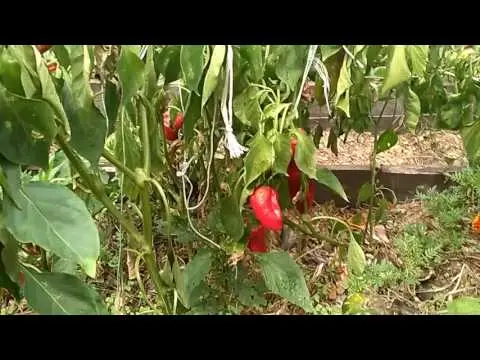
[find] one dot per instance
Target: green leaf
(38, 81)
(8, 281)
(381, 211)
(372, 54)
(397, 70)
(305, 154)
(254, 57)
(354, 304)
(317, 136)
(195, 272)
(17, 144)
(60, 294)
(192, 114)
(53, 217)
(33, 113)
(167, 62)
(28, 84)
(26, 57)
(328, 178)
(356, 260)
(150, 75)
(192, 63)
(412, 110)
(329, 50)
(131, 73)
(364, 193)
(178, 277)
(285, 278)
(9, 188)
(247, 108)
(231, 218)
(9, 255)
(259, 159)
(272, 111)
(344, 83)
(88, 125)
(112, 104)
(63, 265)
(282, 154)
(291, 64)
(418, 56)
(61, 53)
(386, 140)
(211, 79)
(464, 306)
(127, 151)
(10, 74)
(80, 70)
(250, 293)
(471, 141)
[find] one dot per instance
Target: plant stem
(142, 113)
(313, 233)
(96, 186)
(119, 165)
(373, 174)
(148, 252)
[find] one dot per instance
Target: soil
(458, 274)
(438, 149)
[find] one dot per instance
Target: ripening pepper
(266, 207)
(178, 122)
(294, 179)
(256, 240)
(309, 198)
(172, 133)
(43, 48)
(476, 224)
(294, 142)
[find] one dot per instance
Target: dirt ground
(459, 274)
(431, 149)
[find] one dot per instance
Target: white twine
(186, 200)
(234, 148)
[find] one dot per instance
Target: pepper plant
(225, 124)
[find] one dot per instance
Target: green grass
(420, 247)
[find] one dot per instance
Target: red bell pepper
(266, 207)
(309, 198)
(170, 134)
(256, 240)
(294, 142)
(294, 179)
(178, 122)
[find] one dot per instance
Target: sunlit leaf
(259, 159)
(285, 278)
(397, 69)
(211, 79)
(53, 217)
(192, 63)
(412, 110)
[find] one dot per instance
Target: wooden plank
(404, 182)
